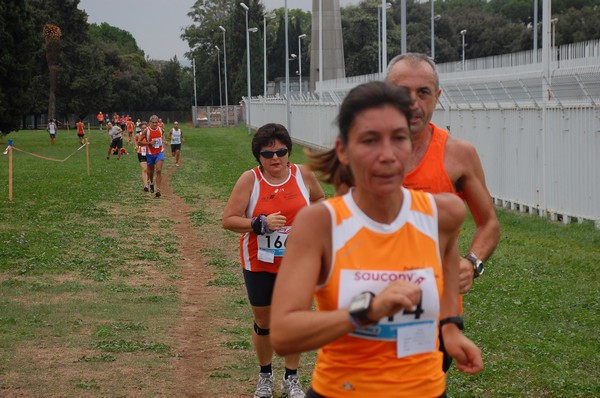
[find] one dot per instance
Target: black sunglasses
(269, 154)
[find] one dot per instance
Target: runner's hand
(397, 296)
(275, 221)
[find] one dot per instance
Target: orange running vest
(398, 356)
(430, 175)
(157, 147)
(264, 252)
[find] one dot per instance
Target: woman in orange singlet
(80, 131)
(381, 262)
(262, 207)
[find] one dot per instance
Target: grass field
(78, 276)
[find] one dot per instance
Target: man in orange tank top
(154, 142)
(443, 163)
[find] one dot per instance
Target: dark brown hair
(374, 94)
(267, 134)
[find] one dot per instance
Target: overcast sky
(157, 25)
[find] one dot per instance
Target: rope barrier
(47, 158)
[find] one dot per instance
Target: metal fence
(212, 116)
(537, 134)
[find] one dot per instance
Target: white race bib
(414, 331)
(273, 245)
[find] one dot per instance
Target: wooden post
(87, 155)
(10, 173)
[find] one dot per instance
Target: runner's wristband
(256, 224)
(265, 225)
(259, 225)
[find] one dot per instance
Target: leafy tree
(203, 35)
(19, 40)
(169, 87)
(79, 65)
(359, 26)
(577, 25)
(299, 22)
(110, 35)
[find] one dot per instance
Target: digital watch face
(360, 302)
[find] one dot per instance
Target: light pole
(194, 72)
(379, 13)
(270, 16)
(225, 64)
(553, 21)
(220, 95)
(383, 34)
(434, 18)
(302, 36)
(402, 28)
(292, 58)
(320, 48)
(245, 7)
(463, 33)
(535, 29)
(287, 72)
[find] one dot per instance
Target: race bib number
(143, 151)
(157, 142)
(273, 245)
(413, 331)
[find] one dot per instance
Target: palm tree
(52, 36)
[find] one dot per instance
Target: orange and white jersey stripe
(264, 252)
(155, 141)
(398, 356)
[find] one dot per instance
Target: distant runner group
(149, 142)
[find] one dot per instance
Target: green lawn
(76, 273)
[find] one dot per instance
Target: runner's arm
(233, 215)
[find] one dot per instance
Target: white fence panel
(540, 150)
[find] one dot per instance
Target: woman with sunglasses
(262, 207)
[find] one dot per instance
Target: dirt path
(200, 346)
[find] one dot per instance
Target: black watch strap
(457, 320)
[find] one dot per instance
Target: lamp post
(270, 16)
(220, 95)
(383, 34)
(434, 18)
(402, 28)
(553, 21)
(320, 48)
(379, 13)
(535, 30)
(463, 33)
(225, 65)
(302, 36)
(194, 72)
(287, 72)
(245, 7)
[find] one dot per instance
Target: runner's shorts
(152, 159)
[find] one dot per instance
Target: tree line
(82, 68)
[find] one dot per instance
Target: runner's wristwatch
(457, 320)
(360, 306)
(477, 264)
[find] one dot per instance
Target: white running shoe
(292, 387)
(264, 387)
